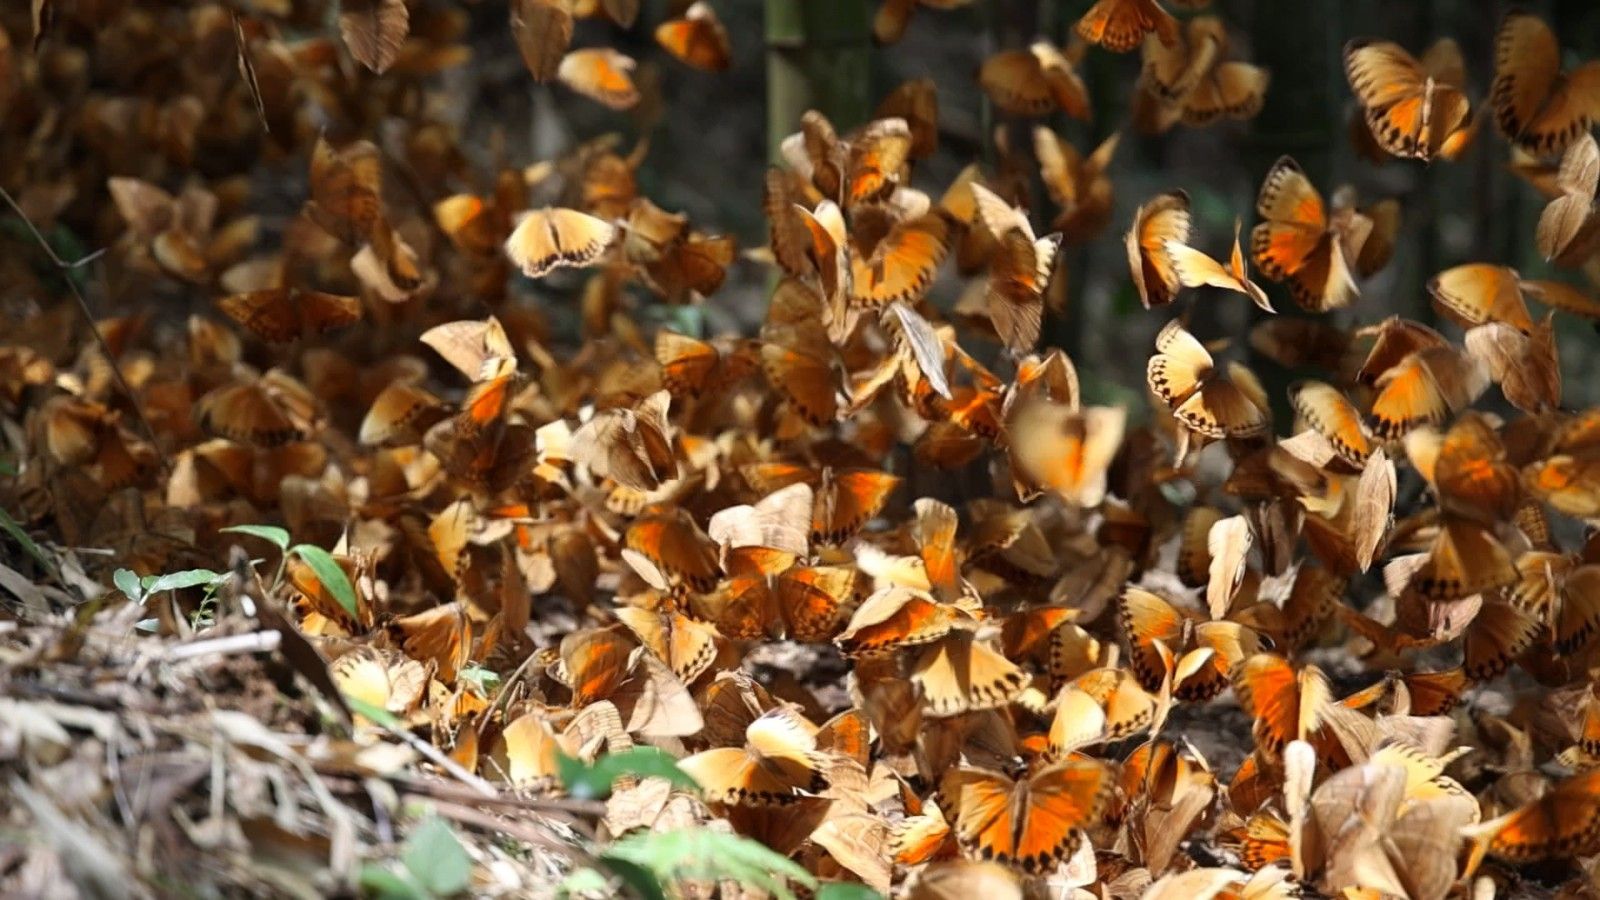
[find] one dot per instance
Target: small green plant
(593, 781)
(321, 562)
(647, 862)
(433, 864)
(139, 590)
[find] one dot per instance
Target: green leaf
(11, 527)
(702, 854)
(584, 880)
(331, 575)
(373, 712)
(270, 533)
(177, 581)
(486, 680)
(436, 859)
(643, 881)
(381, 881)
(128, 583)
(594, 781)
(845, 890)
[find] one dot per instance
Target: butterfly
(1120, 25)
(1562, 823)
(802, 603)
(1569, 230)
(283, 314)
(1079, 185)
(1536, 104)
(1158, 224)
(671, 552)
(401, 413)
(1063, 450)
(959, 674)
(1019, 271)
(1287, 704)
(1194, 268)
(1423, 388)
(896, 617)
(542, 30)
(917, 102)
(268, 411)
(553, 238)
(1301, 243)
(697, 38)
(441, 636)
(1102, 704)
(865, 167)
(901, 266)
(630, 445)
(1030, 823)
(1414, 109)
(1198, 654)
(601, 74)
(845, 499)
(687, 646)
(1183, 374)
(1478, 293)
(1190, 81)
(1034, 82)
(1329, 413)
(691, 367)
(889, 24)
(778, 765)
(798, 362)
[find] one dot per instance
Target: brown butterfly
(1019, 271)
(697, 38)
(1569, 229)
(1536, 103)
(1034, 82)
(283, 314)
(1120, 25)
(1414, 109)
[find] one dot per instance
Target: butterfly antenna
(88, 317)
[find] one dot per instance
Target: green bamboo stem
(818, 57)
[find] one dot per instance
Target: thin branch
(88, 317)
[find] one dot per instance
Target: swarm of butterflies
(905, 604)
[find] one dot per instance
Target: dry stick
(88, 316)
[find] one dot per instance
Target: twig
(88, 317)
(522, 831)
(437, 757)
(254, 642)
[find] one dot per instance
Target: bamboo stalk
(818, 57)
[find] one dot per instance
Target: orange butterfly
(799, 363)
(1184, 376)
(697, 38)
(958, 674)
(1119, 25)
(692, 367)
(402, 413)
(1301, 243)
(1198, 654)
(865, 167)
(778, 765)
(1561, 824)
(687, 647)
(1195, 268)
(1019, 271)
(1034, 82)
(1478, 293)
(845, 499)
(1413, 109)
(802, 603)
(1423, 388)
(1030, 823)
(902, 265)
(1079, 185)
(669, 551)
(1190, 80)
(601, 74)
(1159, 224)
(896, 617)
(1063, 450)
(1329, 413)
(553, 238)
(1287, 704)
(1536, 104)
